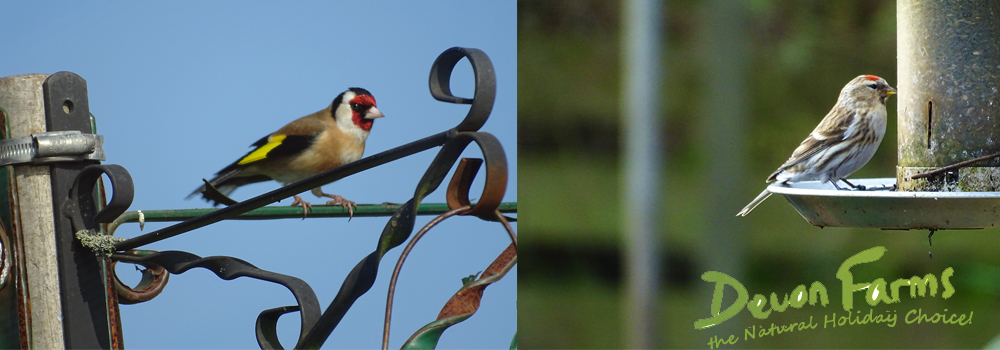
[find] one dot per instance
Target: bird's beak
(373, 113)
(890, 92)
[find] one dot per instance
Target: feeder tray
(823, 205)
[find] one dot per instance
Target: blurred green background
(776, 68)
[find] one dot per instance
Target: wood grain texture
(21, 99)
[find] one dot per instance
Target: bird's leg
(305, 205)
(858, 187)
(338, 200)
(835, 185)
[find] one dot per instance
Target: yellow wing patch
(261, 152)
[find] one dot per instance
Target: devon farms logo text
(876, 292)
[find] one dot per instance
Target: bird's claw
(856, 187)
(338, 200)
(305, 206)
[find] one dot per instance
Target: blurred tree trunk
(722, 127)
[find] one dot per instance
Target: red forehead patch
(872, 77)
(364, 100)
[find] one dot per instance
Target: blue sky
(180, 89)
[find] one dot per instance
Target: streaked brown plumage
(843, 142)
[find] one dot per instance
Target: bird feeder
(948, 167)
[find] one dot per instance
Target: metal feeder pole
(641, 167)
(949, 103)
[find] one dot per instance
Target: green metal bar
(289, 212)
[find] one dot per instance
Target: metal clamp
(52, 146)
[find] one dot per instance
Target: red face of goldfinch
(363, 110)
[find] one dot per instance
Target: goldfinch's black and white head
(355, 110)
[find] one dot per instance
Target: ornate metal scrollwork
(81, 207)
(317, 324)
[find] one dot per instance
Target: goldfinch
(305, 147)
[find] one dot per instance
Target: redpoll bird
(305, 147)
(843, 141)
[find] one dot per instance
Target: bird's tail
(753, 204)
(227, 180)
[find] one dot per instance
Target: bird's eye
(355, 105)
(873, 86)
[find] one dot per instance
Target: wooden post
(21, 99)
(949, 93)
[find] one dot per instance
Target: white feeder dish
(823, 205)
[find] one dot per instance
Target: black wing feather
(291, 145)
(228, 179)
